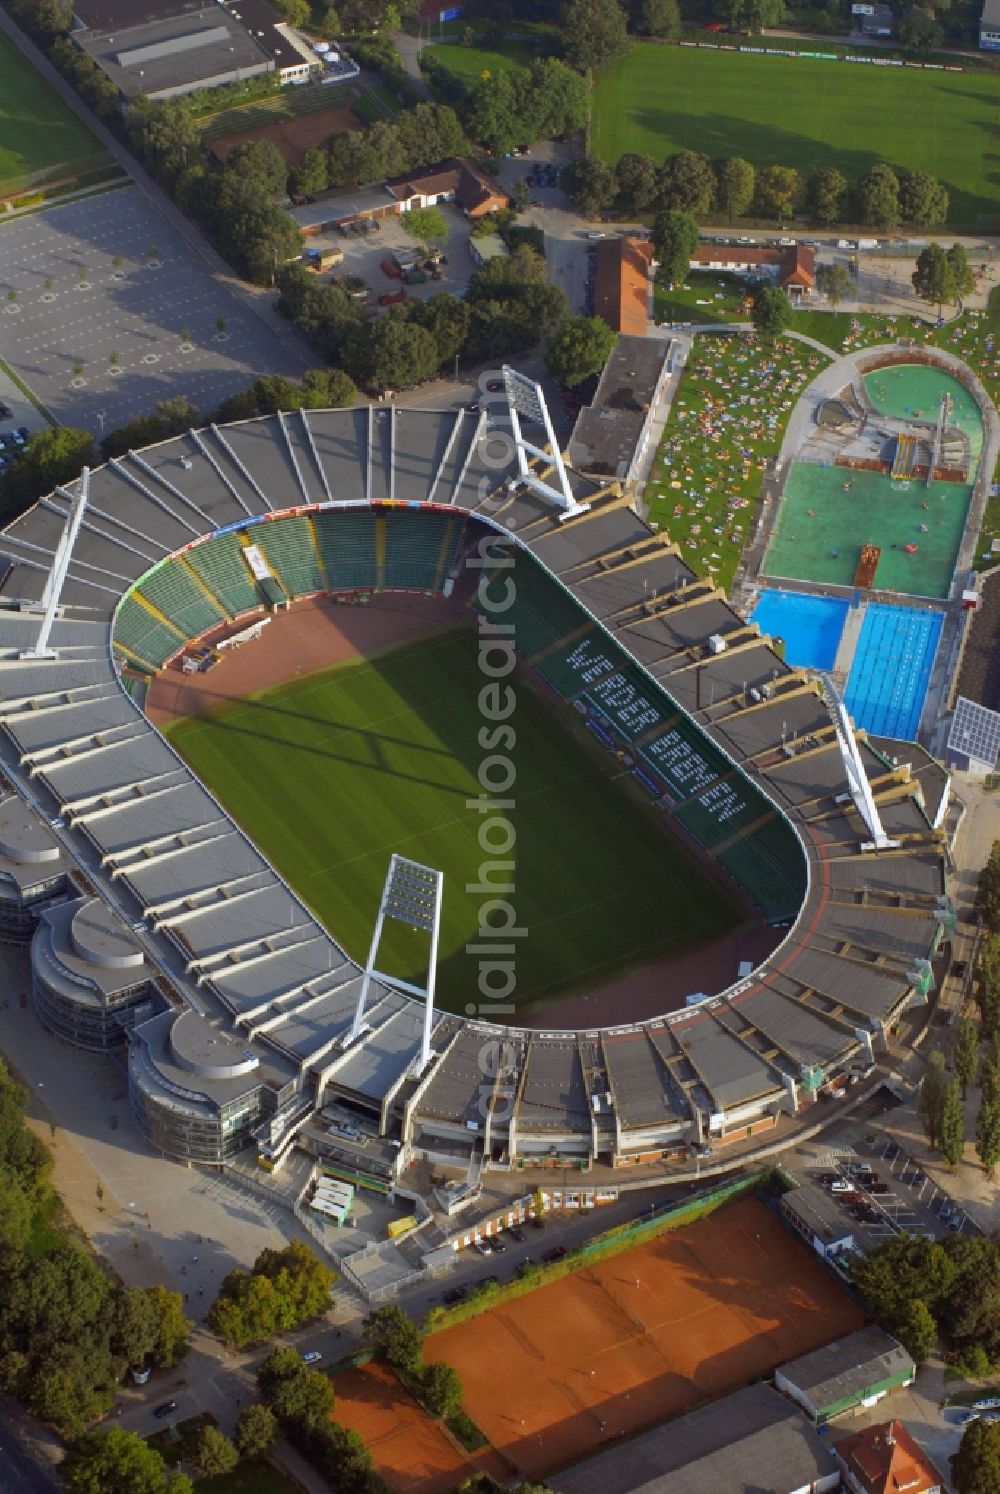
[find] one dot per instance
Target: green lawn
(806, 114)
(470, 63)
(255, 1477)
(38, 134)
(729, 416)
(333, 773)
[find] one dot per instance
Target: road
(24, 1466)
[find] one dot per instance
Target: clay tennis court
(293, 137)
(413, 1453)
(642, 1336)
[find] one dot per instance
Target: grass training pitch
(37, 131)
(616, 1347)
(332, 772)
(663, 99)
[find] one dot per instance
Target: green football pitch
(333, 772)
(805, 114)
(37, 131)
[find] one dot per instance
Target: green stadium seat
(175, 592)
(347, 545)
(288, 545)
(413, 547)
(141, 634)
(221, 566)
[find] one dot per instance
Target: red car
(391, 268)
(391, 298)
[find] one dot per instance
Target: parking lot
(95, 298)
(364, 252)
(880, 1189)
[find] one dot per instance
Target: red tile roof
(885, 1459)
(621, 284)
(796, 266)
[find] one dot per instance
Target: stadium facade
(179, 939)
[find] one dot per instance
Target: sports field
(642, 1336)
(37, 132)
(805, 114)
(412, 1452)
(332, 772)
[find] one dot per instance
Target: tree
(975, 1468)
(834, 281)
(934, 279)
(329, 388)
(594, 32)
(918, 1331)
(591, 184)
(952, 1140)
(390, 1332)
(256, 1430)
(930, 1100)
(778, 191)
(675, 239)
(988, 888)
(581, 347)
(538, 1204)
(260, 162)
(442, 1389)
(394, 354)
(310, 176)
(636, 175)
(923, 201)
(447, 318)
(214, 1453)
(135, 1325)
(551, 99)
(770, 313)
(118, 1462)
(50, 458)
(172, 1327)
(988, 986)
(828, 195)
(966, 1055)
(687, 183)
(735, 183)
(877, 195)
(988, 1125)
(660, 18)
(284, 1289)
(426, 225)
(918, 32)
(965, 280)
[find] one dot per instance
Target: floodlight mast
(525, 397)
(412, 896)
(57, 575)
(860, 790)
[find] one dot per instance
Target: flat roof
(174, 52)
(607, 432)
(848, 1367)
(819, 1212)
(735, 1444)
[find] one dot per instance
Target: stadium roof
(240, 948)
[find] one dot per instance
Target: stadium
(242, 1013)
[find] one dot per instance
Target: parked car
(165, 1409)
(879, 1188)
(842, 1185)
(312, 1356)
(416, 276)
(499, 1248)
(391, 269)
(483, 1247)
(557, 1253)
(392, 298)
(6, 413)
(517, 1233)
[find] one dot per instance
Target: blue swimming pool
(810, 626)
(888, 681)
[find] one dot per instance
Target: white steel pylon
(57, 575)
(525, 397)
(860, 790)
(412, 896)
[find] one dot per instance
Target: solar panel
(975, 731)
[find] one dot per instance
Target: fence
(612, 1242)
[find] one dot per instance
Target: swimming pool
(887, 685)
(810, 626)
